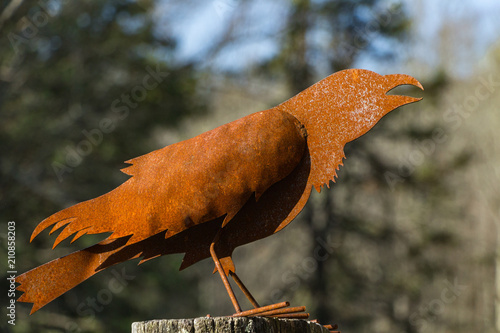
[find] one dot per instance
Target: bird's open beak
(396, 80)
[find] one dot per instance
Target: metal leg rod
(244, 290)
(223, 276)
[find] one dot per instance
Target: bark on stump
(228, 325)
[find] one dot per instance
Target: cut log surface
(228, 325)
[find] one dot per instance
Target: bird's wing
(257, 219)
(191, 182)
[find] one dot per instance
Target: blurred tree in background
(85, 86)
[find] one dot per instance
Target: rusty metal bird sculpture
(230, 186)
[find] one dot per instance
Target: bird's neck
(326, 137)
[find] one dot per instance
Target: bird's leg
(223, 275)
(244, 289)
(274, 310)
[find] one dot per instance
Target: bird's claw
(278, 310)
(283, 310)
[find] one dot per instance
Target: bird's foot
(283, 310)
(278, 310)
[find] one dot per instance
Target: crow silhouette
(230, 186)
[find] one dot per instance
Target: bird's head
(341, 108)
(350, 102)
(364, 98)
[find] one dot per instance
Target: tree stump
(228, 325)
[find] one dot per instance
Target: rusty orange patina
(230, 186)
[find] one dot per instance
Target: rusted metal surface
(276, 312)
(266, 308)
(238, 183)
(244, 289)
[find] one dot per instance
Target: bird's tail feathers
(76, 220)
(43, 284)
